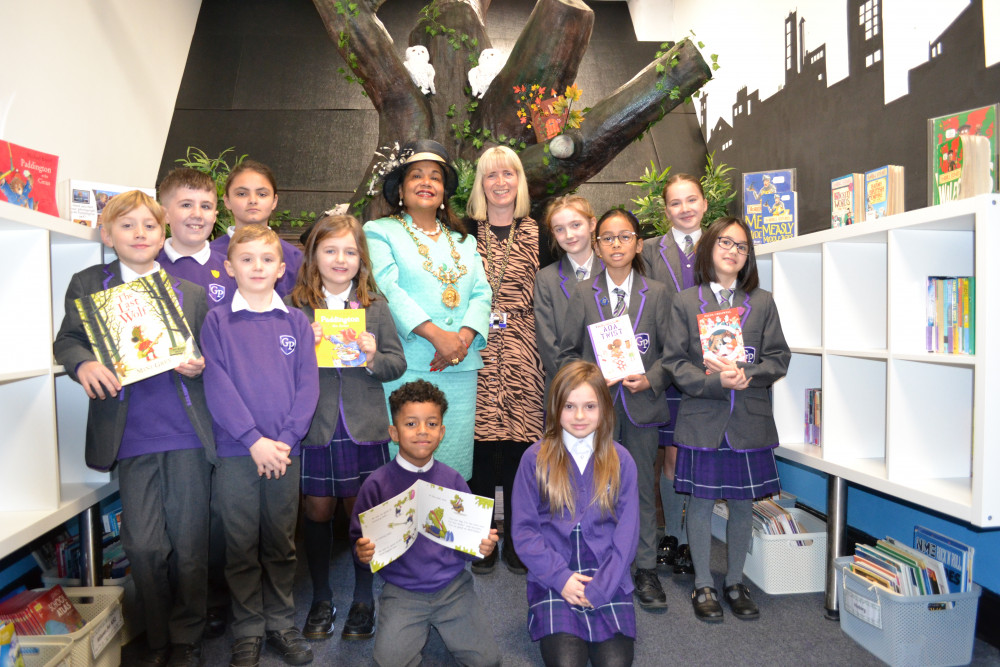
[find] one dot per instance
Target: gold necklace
(493, 278)
(447, 277)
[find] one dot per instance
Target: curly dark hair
(418, 391)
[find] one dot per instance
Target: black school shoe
(291, 645)
(157, 657)
(666, 551)
(706, 604)
(486, 565)
(649, 591)
(511, 560)
(215, 622)
(245, 652)
(319, 622)
(360, 622)
(739, 600)
(185, 655)
(682, 563)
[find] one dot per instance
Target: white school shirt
(717, 287)
(586, 266)
(406, 465)
(202, 256)
(627, 286)
(679, 237)
(337, 301)
(128, 275)
(240, 303)
(581, 449)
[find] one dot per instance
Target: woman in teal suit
(428, 268)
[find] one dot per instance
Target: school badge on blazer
(642, 342)
(751, 353)
(287, 343)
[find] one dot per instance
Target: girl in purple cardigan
(577, 515)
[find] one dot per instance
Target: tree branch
(616, 121)
(537, 57)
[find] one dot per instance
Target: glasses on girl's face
(727, 243)
(625, 238)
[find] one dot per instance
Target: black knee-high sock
(317, 536)
(363, 582)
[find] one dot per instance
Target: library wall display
(896, 418)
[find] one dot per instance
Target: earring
(442, 206)
(400, 202)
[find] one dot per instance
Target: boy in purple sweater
(189, 199)
(158, 434)
(262, 385)
(429, 584)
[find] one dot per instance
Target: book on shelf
(770, 205)
(28, 178)
(44, 612)
(955, 557)
(947, 158)
(813, 434)
(450, 518)
(770, 518)
(721, 335)
(883, 192)
(138, 329)
(951, 314)
(84, 201)
(10, 648)
(617, 348)
(847, 204)
(338, 346)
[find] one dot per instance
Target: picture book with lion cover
(138, 329)
(722, 334)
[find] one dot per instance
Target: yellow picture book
(338, 347)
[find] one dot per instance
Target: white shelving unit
(919, 426)
(43, 414)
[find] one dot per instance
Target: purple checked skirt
(666, 433)
(339, 469)
(726, 473)
(549, 613)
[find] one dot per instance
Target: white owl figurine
(491, 61)
(418, 63)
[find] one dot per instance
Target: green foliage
(649, 207)
(457, 40)
(218, 168)
(348, 10)
(718, 190)
(466, 177)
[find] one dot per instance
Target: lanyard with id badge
(498, 318)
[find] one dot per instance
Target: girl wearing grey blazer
(725, 431)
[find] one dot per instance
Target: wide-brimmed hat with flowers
(417, 151)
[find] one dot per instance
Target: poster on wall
(770, 205)
(962, 152)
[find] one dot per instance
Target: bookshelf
(43, 412)
(918, 426)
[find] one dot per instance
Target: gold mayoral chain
(447, 277)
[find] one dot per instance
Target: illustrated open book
(338, 347)
(615, 346)
(138, 329)
(453, 519)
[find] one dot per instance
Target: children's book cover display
(138, 329)
(770, 205)
(10, 650)
(338, 346)
(847, 205)
(453, 519)
(955, 557)
(84, 201)
(617, 348)
(883, 192)
(722, 335)
(962, 154)
(28, 178)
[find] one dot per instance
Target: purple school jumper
(219, 286)
(554, 546)
(261, 378)
(292, 258)
(426, 567)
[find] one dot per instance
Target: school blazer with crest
(106, 418)
(648, 310)
(708, 411)
(662, 261)
(354, 392)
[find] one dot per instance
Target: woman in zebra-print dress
(511, 381)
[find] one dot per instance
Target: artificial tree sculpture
(547, 52)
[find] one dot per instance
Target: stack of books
(951, 314)
(814, 404)
(935, 565)
(47, 612)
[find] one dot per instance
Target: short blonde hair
(126, 202)
(252, 233)
(494, 158)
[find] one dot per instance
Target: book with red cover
(28, 178)
(47, 612)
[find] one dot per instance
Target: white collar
(586, 265)
(627, 285)
(128, 275)
(240, 303)
(406, 465)
(679, 236)
(716, 287)
(230, 230)
(202, 256)
(337, 298)
(581, 449)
